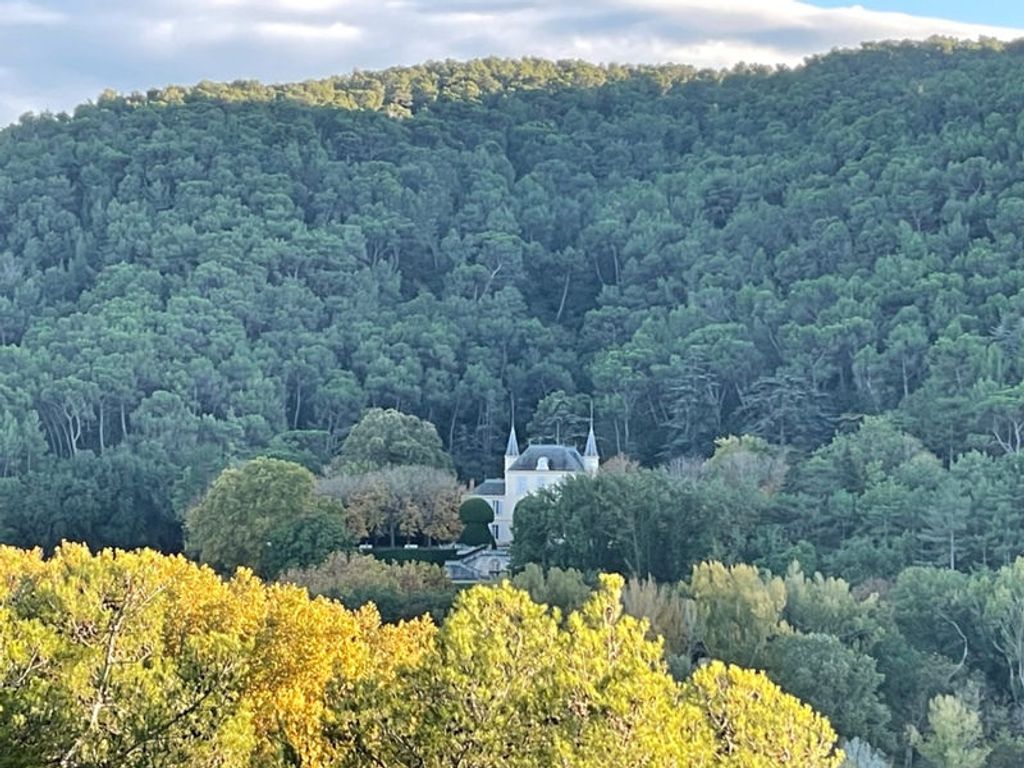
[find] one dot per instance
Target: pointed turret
(591, 459)
(512, 449)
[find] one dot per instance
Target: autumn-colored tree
(139, 660)
(402, 500)
(398, 590)
(756, 724)
(506, 687)
(510, 685)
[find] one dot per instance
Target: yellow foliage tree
(738, 611)
(509, 685)
(137, 659)
(756, 724)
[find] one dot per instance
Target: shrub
(399, 590)
(476, 514)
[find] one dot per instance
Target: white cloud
(168, 36)
(704, 33)
(310, 6)
(307, 33)
(285, 6)
(711, 53)
(755, 15)
(28, 14)
(712, 33)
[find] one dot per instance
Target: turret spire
(591, 449)
(591, 459)
(512, 449)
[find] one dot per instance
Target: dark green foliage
(476, 535)
(476, 510)
(835, 680)
(869, 504)
(310, 448)
(639, 522)
(397, 605)
(476, 515)
(210, 273)
(432, 555)
(114, 500)
(826, 262)
(388, 438)
(305, 541)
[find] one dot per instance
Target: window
(497, 506)
(521, 486)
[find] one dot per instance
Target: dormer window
(542, 464)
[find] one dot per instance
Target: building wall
(518, 485)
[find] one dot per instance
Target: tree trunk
(102, 445)
(565, 293)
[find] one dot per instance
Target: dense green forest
(794, 300)
(196, 274)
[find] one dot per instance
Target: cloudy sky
(57, 53)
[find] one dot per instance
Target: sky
(55, 54)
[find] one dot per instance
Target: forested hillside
(198, 274)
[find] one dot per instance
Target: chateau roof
(490, 487)
(560, 459)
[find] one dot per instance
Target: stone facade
(536, 468)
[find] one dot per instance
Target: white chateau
(538, 467)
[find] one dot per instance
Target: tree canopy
(265, 515)
(382, 439)
(792, 298)
(197, 275)
(139, 659)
